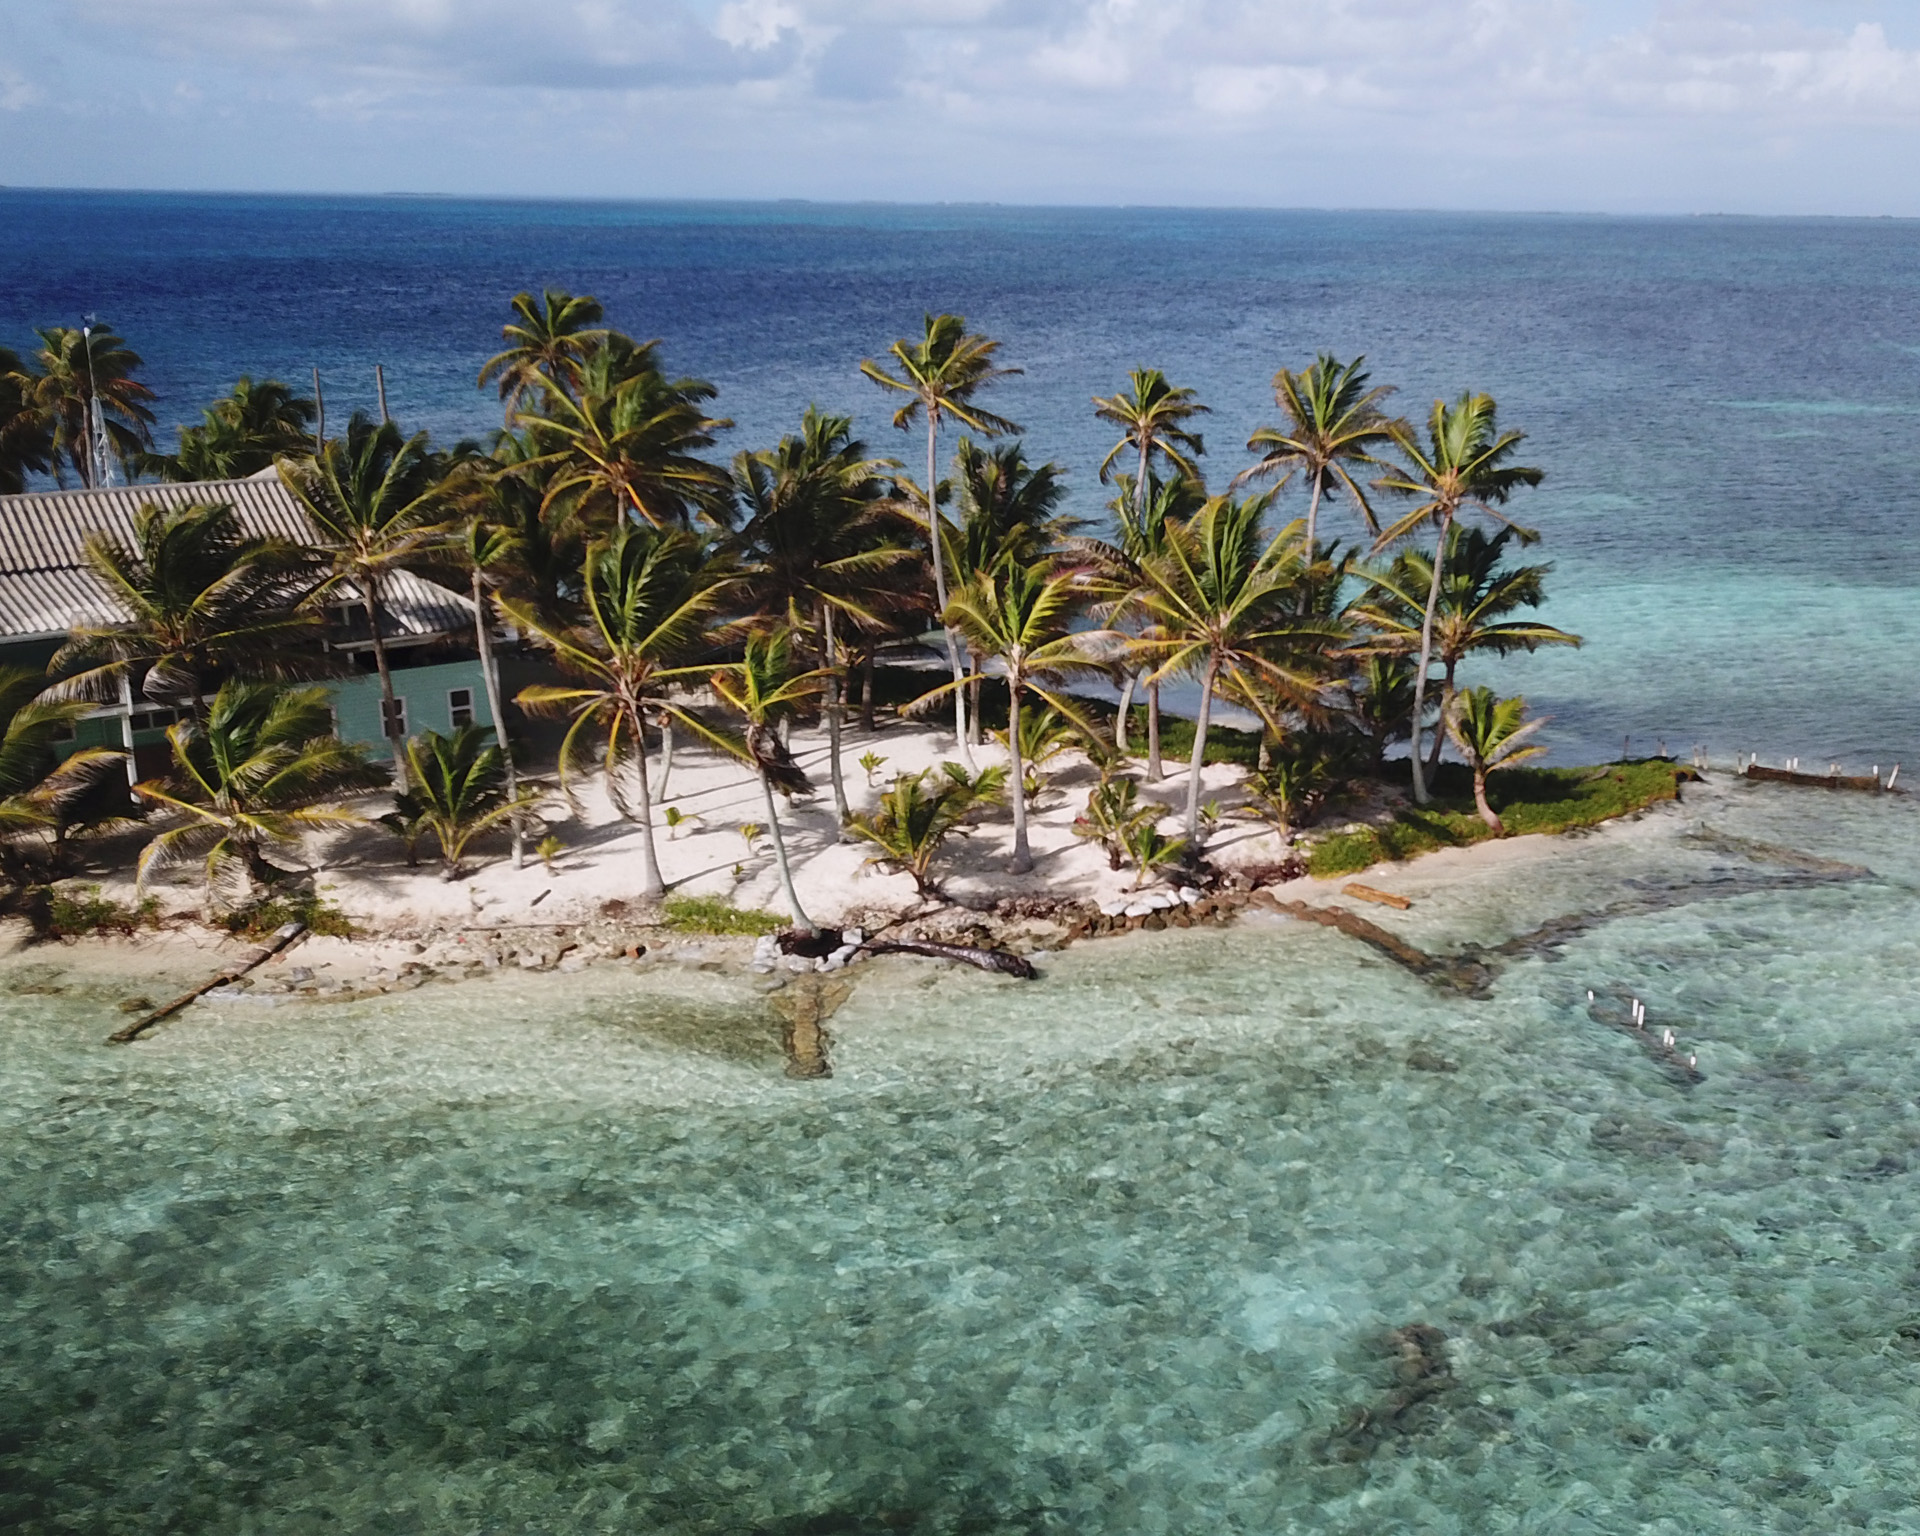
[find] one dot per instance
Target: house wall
(356, 700)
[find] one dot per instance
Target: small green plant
(1113, 814)
(549, 849)
(922, 810)
(314, 912)
(677, 818)
(750, 834)
(1149, 851)
(456, 790)
(873, 762)
(709, 914)
(75, 911)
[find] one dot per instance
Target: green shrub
(1527, 800)
(75, 911)
(709, 914)
(316, 912)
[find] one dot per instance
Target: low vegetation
(312, 911)
(74, 911)
(709, 914)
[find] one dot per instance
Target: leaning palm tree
(377, 500)
(1220, 606)
(653, 601)
(764, 688)
(548, 341)
(459, 787)
(1491, 734)
(1464, 466)
(941, 373)
(1334, 425)
(82, 384)
(1024, 617)
(1476, 598)
(203, 599)
(240, 434)
(26, 442)
(263, 770)
(822, 547)
(621, 443)
(36, 784)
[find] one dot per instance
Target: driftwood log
(1867, 782)
(1003, 961)
(281, 937)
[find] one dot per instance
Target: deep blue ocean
(1726, 408)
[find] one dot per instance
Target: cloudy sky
(1761, 106)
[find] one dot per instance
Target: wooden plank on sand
(1380, 898)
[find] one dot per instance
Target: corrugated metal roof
(47, 587)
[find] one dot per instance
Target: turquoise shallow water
(1115, 1252)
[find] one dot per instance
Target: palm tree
(1009, 509)
(941, 373)
(1465, 466)
(653, 598)
(1334, 424)
(548, 342)
(914, 819)
(821, 546)
(1475, 599)
(1490, 734)
(1376, 700)
(36, 785)
(1024, 617)
(764, 689)
(622, 442)
(262, 771)
(240, 435)
(488, 551)
(376, 499)
(77, 371)
(1218, 603)
(460, 787)
(202, 599)
(26, 443)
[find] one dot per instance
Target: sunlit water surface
(1117, 1251)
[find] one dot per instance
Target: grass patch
(709, 914)
(316, 912)
(1527, 800)
(76, 911)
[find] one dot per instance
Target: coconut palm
(1023, 617)
(489, 551)
(921, 811)
(376, 499)
(822, 546)
(240, 435)
(548, 340)
(1334, 426)
(1152, 416)
(1114, 816)
(1376, 702)
(941, 374)
(653, 599)
(261, 772)
(75, 371)
(26, 443)
(1475, 599)
(622, 442)
(764, 688)
(1217, 601)
(1464, 466)
(203, 599)
(1491, 734)
(36, 785)
(1009, 509)
(459, 787)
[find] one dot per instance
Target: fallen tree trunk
(1000, 960)
(1867, 782)
(282, 936)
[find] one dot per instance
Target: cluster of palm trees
(599, 525)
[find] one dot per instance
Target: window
(394, 716)
(460, 707)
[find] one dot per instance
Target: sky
(1628, 106)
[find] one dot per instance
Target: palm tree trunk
(866, 689)
(1199, 757)
(666, 753)
(1420, 796)
(1440, 729)
(1126, 705)
(651, 885)
(490, 672)
(1154, 772)
(938, 553)
(1480, 801)
(832, 661)
(800, 918)
(1022, 854)
(975, 662)
(1313, 515)
(370, 592)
